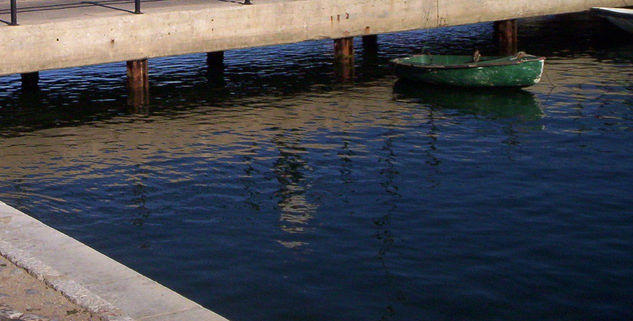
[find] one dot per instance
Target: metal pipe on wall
(14, 13)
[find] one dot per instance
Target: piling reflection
(621, 54)
(138, 101)
(494, 102)
(296, 210)
(344, 70)
(431, 159)
(140, 200)
(384, 230)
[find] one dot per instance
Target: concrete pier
(56, 34)
(106, 288)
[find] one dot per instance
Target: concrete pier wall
(95, 35)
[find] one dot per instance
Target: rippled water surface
(288, 195)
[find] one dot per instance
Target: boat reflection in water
(493, 102)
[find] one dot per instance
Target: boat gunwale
(610, 12)
(398, 62)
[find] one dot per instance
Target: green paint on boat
(520, 70)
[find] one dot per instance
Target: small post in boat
(506, 34)
(137, 82)
(30, 80)
(344, 57)
(215, 68)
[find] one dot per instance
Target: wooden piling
(30, 80)
(215, 69)
(215, 59)
(138, 82)
(344, 58)
(344, 49)
(370, 44)
(506, 35)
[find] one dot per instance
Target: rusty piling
(138, 83)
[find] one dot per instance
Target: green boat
(520, 70)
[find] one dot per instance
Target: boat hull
(493, 102)
(520, 74)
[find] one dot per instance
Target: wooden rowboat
(620, 17)
(520, 70)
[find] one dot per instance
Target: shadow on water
(591, 35)
(176, 87)
(491, 102)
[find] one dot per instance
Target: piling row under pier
(138, 70)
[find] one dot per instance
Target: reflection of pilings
(506, 35)
(140, 201)
(138, 83)
(344, 71)
(383, 224)
(432, 160)
(249, 183)
(30, 80)
(296, 209)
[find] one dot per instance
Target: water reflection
(384, 234)
(139, 196)
(344, 70)
(431, 159)
(494, 102)
(621, 53)
(296, 210)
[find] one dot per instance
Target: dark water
(287, 195)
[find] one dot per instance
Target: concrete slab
(88, 278)
(21, 293)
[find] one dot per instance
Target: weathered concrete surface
(61, 33)
(88, 278)
(22, 294)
